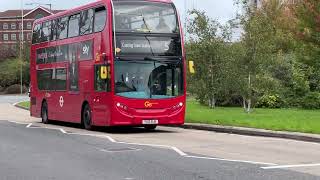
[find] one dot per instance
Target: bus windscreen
(148, 79)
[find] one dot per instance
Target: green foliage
(308, 15)
(274, 64)
(15, 89)
(311, 101)
(270, 101)
(10, 72)
(208, 48)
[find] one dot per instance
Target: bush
(10, 72)
(15, 89)
(1, 89)
(270, 101)
(311, 101)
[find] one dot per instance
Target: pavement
(254, 132)
(31, 150)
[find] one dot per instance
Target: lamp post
(21, 46)
(185, 17)
(41, 4)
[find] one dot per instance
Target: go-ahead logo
(149, 104)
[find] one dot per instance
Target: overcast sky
(222, 10)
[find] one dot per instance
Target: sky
(221, 10)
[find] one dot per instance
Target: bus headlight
(178, 106)
(121, 106)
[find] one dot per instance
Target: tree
(307, 14)
(259, 46)
(207, 47)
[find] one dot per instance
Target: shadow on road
(113, 130)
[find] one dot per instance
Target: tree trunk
(244, 104)
(212, 103)
(249, 105)
(248, 109)
(212, 99)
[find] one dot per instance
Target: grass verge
(25, 104)
(294, 120)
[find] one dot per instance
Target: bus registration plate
(148, 122)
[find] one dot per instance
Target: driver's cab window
(101, 84)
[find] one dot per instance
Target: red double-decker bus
(110, 63)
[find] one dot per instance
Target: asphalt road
(36, 153)
(31, 150)
(12, 98)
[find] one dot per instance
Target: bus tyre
(44, 113)
(86, 117)
(150, 127)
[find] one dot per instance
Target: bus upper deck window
(86, 22)
(46, 31)
(62, 28)
(100, 19)
(73, 29)
(54, 25)
(36, 34)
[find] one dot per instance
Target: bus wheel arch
(44, 112)
(86, 116)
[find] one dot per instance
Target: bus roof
(166, 1)
(97, 3)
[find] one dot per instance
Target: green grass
(296, 120)
(25, 104)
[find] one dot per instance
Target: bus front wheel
(44, 113)
(87, 117)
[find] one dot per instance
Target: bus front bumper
(142, 117)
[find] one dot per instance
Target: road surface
(31, 150)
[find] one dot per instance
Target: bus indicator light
(191, 67)
(103, 72)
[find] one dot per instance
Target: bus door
(60, 93)
(101, 95)
(74, 100)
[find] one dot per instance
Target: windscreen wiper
(172, 60)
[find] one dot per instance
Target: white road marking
(14, 104)
(230, 160)
(63, 131)
(29, 125)
(126, 150)
(141, 144)
(59, 129)
(18, 122)
(181, 153)
(177, 150)
(95, 135)
(291, 166)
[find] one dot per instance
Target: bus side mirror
(191, 67)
